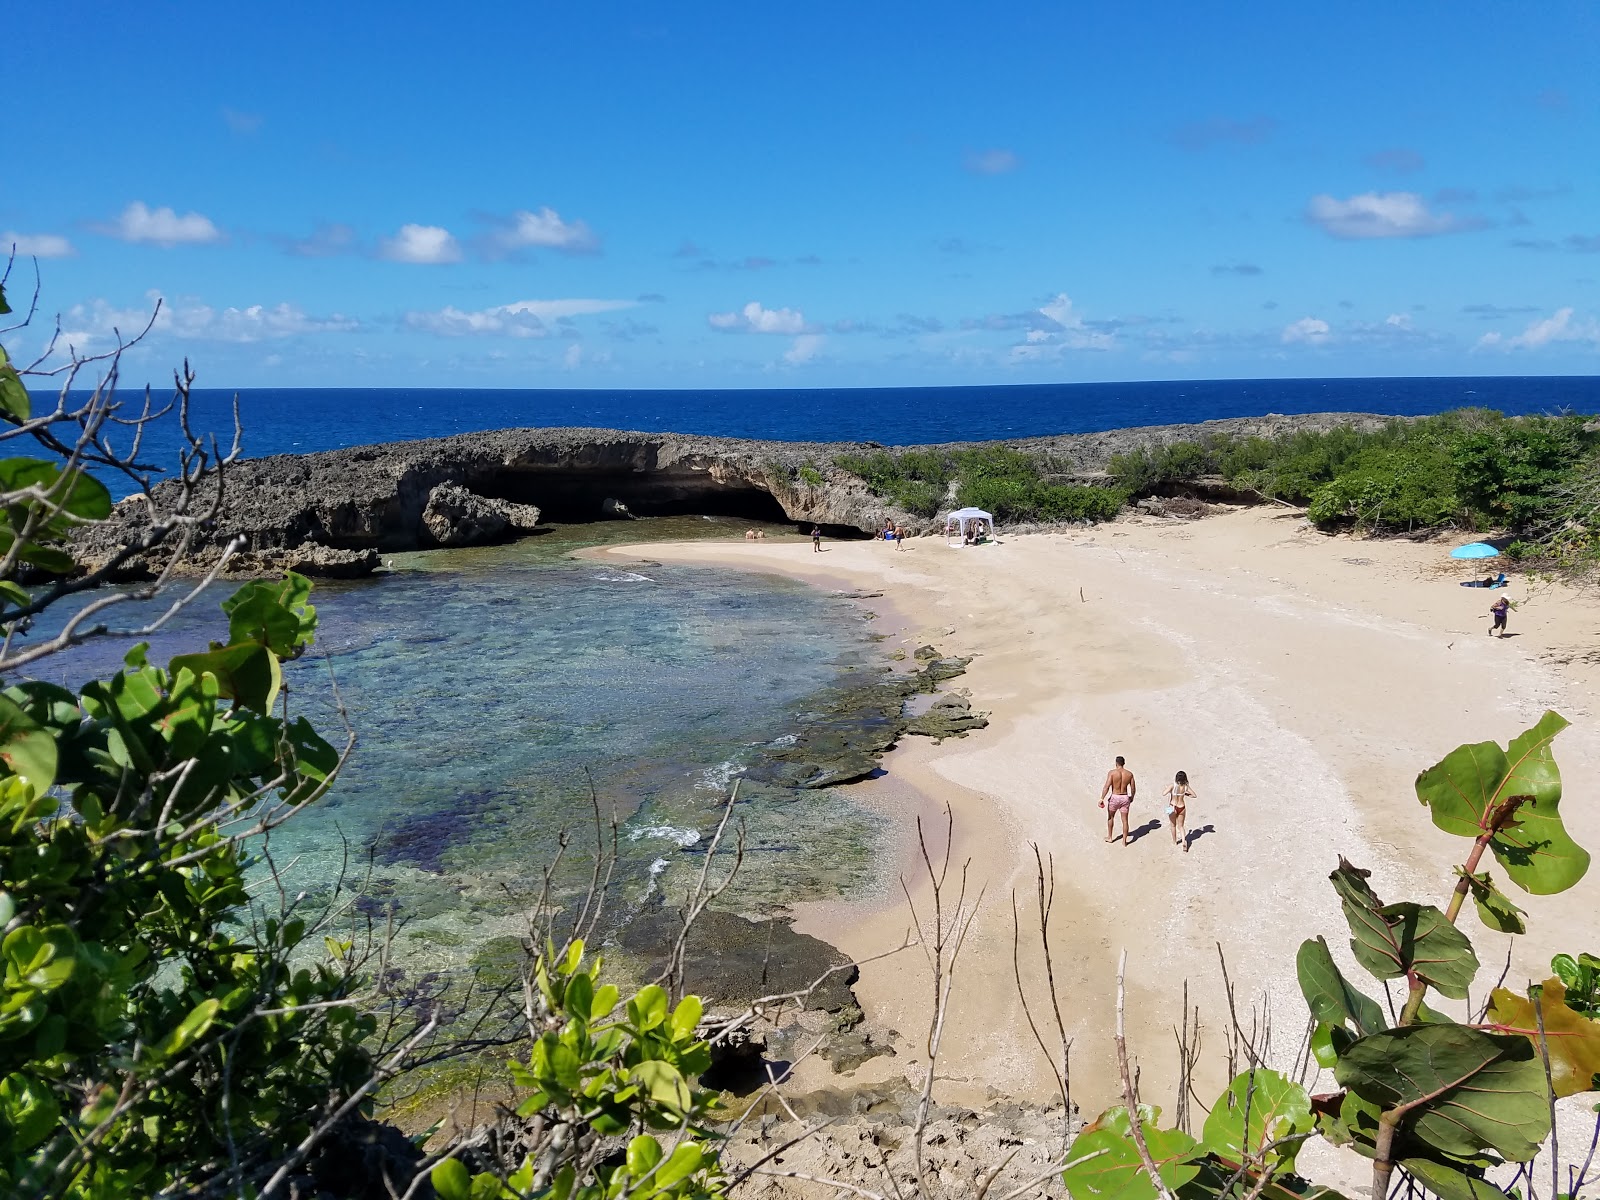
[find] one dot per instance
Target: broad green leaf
(188, 1030)
(15, 593)
(1331, 998)
(1573, 1040)
(605, 999)
(686, 1017)
(644, 1152)
(26, 750)
(664, 1082)
(1395, 939)
(1467, 787)
(573, 957)
(1116, 1171)
(247, 672)
(685, 1161)
(648, 1009)
(1259, 1108)
(451, 1180)
(579, 997)
(1449, 1183)
(14, 400)
(81, 495)
(4, 310)
(1322, 1045)
(273, 613)
(1464, 1090)
(29, 1111)
(40, 959)
(1494, 908)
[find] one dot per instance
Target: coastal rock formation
(371, 499)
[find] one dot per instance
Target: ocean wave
(622, 577)
(787, 739)
(683, 837)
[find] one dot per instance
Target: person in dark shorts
(1499, 609)
(816, 539)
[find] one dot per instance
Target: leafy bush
(810, 476)
(1005, 482)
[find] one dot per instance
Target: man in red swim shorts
(1117, 797)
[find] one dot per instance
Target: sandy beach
(1301, 680)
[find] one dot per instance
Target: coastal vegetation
(1011, 484)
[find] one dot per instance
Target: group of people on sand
(1116, 796)
(755, 535)
(894, 533)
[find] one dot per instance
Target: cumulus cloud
(1398, 160)
(1562, 326)
(426, 244)
(35, 245)
(1202, 135)
(1310, 330)
(161, 227)
(1060, 329)
(544, 230)
(803, 349)
(1384, 215)
(991, 162)
(753, 318)
(99, 323)
(521, 319)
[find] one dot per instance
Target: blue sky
(654, 195)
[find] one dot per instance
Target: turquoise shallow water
(491, 688)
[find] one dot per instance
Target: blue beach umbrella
(1475, 550)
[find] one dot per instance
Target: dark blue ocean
(299, 420)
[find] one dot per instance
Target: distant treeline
(1532, 477)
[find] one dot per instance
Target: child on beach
(1499, 609)
(1178, 794)
(816, 539)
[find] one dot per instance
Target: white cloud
(425, 244)
(99, 323)
(1562, 326)
(1061, 330)
(522, 319)
(546, 230)
(1384, 215)
(162, 227)
(753, 318)
(991, 162)
(1398, 320)
(35, 245)
(1312, 330)
(804, 349)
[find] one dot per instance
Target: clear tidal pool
(490, 689)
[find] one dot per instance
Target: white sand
(1301, 680)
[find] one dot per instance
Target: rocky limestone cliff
(331, 513)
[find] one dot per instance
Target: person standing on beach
(816, 539)
(1178, 796)
(899, 537)
(1499, 609)
(1117, 797)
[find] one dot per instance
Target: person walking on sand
(816, 539)
(1117, 797)
(899, 537)
(1499, 609)
(1178, 796)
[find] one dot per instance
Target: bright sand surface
(1301, 680)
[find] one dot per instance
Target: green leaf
(15, 592)
(579, 997)
(1396, 939)
(1332, 1000)
(1494, 908)
(686, 1017)
(451, 1180)
(1464, 1090)
(14, 400)
(644, 1152)
(27, 751)
(685, 1161)
(40, 959)
(4, 310)
(1466, 791)
(1116, 1171)
(82, 495)
(648, 1009)
(275, 614)
(1259, 1108)
(1573, 1040)
(247, 672)
(605, 999)
(664, 1082)
(188, 1030)
(1448, 1183)
(1322, 1045)
(29, 1109)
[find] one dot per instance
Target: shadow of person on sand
(1192, 836)
(1150, 826)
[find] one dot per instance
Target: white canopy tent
(963, 517)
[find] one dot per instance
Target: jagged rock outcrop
(370, 499)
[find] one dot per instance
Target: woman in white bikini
(1178, 796)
